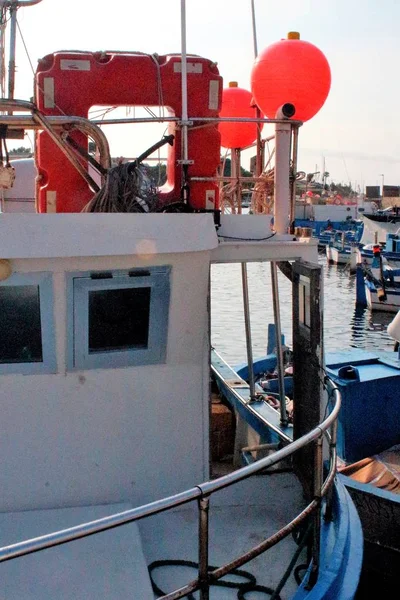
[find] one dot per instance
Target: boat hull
(379, 512)
(392, 303)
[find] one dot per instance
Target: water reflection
(344, 325)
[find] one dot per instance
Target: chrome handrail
(202, 494)
(51, 124)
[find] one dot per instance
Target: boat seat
(109, 565)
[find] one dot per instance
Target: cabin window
(119, 319)
(26, 324)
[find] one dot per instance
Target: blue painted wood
(361, 296)
(259, 415)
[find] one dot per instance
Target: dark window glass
(20, 327)
(119, 319)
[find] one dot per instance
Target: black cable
(243, 588)
(228, 237)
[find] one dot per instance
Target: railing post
(317, 517)
(249, 347)
(332, 458)
(204, 504)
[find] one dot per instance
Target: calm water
(344, 327)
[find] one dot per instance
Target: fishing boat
(342, 250)
(378, 286)
(389, 250)
(389, 215)
(110, 440)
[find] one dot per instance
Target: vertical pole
(333, 459)
(184, 83)
(278, 333)
(204, 506)
(238, 188)
(11, 63)
(259, 151)
(317, 518)
(294, 172)
(246, 307)
(253, 20)
(282, 177)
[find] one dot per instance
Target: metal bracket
(183, 123)
(185, 162)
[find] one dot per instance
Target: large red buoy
(237, 102)
(291, 71)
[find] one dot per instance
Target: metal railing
(202, 493)
(52, 125)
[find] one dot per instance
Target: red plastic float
(72, 82)
(291, 71)
(237, 102)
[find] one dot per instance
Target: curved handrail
(203, 490)
(50, 123)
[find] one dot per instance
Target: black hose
(243, 588)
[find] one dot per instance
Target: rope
(243, 588)
(262, 200)
(125, 191)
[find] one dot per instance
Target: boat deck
(240, 518)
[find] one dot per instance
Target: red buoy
(237, 102)
(291, 71)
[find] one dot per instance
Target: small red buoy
(237, 102)
(291, 71)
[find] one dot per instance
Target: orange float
(237, 102)
(291, 71)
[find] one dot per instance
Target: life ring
(336, 201)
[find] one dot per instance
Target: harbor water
(344, 325)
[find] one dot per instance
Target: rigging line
(33, 70)
(26, 49)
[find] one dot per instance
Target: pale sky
(357, 130)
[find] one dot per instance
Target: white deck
(240, 518)
(107, 566)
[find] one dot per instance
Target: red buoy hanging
(291, 71)
(237, 102)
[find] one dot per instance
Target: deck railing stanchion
(246, 307)
(317, 515)
(279, 351)
(204, 505)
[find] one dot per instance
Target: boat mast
(13, 6)
(185, 157)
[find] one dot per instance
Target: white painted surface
(323, 212)
(102, 435)
(283, 136)
(102, 234)
(107, 566)
(24, 184)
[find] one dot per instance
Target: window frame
(44, 281)
(80, 284)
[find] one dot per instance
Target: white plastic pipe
(282, 173)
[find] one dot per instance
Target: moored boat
(105, 359)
